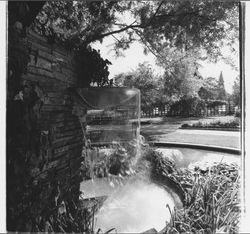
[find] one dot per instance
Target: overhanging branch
(160, 17)
(131, 26)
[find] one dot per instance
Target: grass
(227, 123)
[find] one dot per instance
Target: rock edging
(212, 129)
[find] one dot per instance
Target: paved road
(168, 131)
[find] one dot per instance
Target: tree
(188, 106)
(181, 77)
(221, 88)
(74, 22)
(165, 28)
(91, 67)
(236, 95)
(157, 24)
(143, 78)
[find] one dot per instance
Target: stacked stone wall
(45, 138)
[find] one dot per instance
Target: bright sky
(134, 55)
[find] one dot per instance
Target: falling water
(134, 203)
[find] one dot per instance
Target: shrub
(237, 114)
(235, 123)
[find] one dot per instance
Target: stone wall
(44, 135)
(53, 68)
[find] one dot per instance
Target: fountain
(128, 193)
(130, 203)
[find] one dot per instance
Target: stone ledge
(197, 146)
(212, 129)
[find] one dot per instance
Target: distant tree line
(185, 93)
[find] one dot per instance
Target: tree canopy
(157, 24)
(91, 67)
(181, 76)
(150, 85)
(236, 95)
(178, 33)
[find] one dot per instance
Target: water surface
(132, 206)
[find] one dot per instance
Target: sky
(134, 55)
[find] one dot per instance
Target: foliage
(156, 24)
(74, 22)
(238, 114)
(181, 78)
(213, 89)
(236, 95)
(187, 106)
(70, 217)
(143, 78)
(212, 201)
(173, 31)
(68, 22)
(210, 196)
(233, 123)
(187, 24)
(91, 67)
(192, 106)
(117, 159)
(212, 103)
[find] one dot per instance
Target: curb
(197, 146)
(183, 145)
(213, 129)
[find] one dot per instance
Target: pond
(133, 205)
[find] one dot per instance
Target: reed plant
(212, 201)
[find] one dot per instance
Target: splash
(135, 207)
